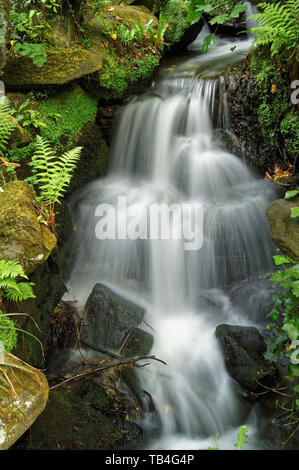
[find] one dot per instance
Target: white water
(166, 150)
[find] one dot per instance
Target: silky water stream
(169, 149)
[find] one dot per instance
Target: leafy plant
(11, 287)
(52, 174)
(294, 210)
(284, 326)
(277, 25)
(197, 8)
(242, 437)
(8, 334)
(36, 52)
(7, 124)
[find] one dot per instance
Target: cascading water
(166, 150)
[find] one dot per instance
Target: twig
(115, 363)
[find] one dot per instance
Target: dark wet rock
(284, 229)
(244, 349)
(110, 318)
(280, 432)
(85, 417)
(188, 37)
(139, 343)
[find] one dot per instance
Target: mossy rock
(22, 237)
(62, 66)
(49, 288)
(81, 418)
(20, 411)
(130, 15)
(4, 13)
(284, 229)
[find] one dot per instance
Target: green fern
(11, 287)
(7, 124)
(278, 25)
(52, 174)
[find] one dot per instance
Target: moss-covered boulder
(84, 417)
(24, 404)
(284, 229)
(22, 237)
(4, 12)
(62, 66)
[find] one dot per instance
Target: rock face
(284, 229)
(18, 414)
(243, 349)
(62, 66)
(4, 12)
(110, 318)
(22, 237)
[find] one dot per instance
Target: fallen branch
(115, 363)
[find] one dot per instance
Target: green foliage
(36, 52)
(176, 17)
(8, 334)
(52, 174)
(242, 437)
(278, 125)
(289, 129)
(27, 25)
(221, 12)
(28, 117)
(294, 210)
(140, 32)
(120, 72)
(284, 326)
(7, 124)
(234, 13)
(61, 115)
(277, 25)
(18, 154)
(12, 288)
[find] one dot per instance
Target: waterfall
(166, 150)
(251, 10)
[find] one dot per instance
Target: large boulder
(20, 410)
(244, 349)
(110, 318)
(4, 13)
(62, 66)
(284, 229)
(22, 237)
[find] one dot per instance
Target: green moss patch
(8, 334)
(67, 113)
(278, 124)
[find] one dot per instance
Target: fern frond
(7, 123)
(11, 269)
(53, 174)
(278, 25)
(22, 292)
